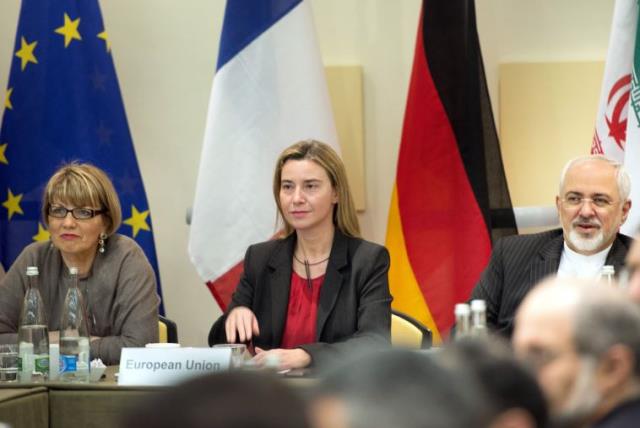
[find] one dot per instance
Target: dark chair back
(168, 330)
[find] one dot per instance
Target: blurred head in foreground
(583, 340)
(224, 400)
(631, 281)
(512, 392)
(400, 389)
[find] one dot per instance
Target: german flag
(450, 197)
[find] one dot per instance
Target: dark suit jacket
(355, 304)
(518, 263)
(626, 415)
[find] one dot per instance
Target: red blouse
(302, 312)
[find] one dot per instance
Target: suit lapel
(549, 256)
(332, 280)
(617, 255)
(548, 260)
(280, 268)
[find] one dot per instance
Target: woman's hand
(287, 358)
(242, 321)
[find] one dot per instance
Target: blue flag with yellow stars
(62, 104)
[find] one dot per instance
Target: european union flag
(63, 103)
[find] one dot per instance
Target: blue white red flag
(269, 91)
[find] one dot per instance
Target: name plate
(158, 366)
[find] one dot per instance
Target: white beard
(584, 399)
(586, 244)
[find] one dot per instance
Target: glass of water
(8, 363)
(238, 353)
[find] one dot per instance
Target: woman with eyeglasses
(81, 210)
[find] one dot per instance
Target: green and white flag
(617, 133)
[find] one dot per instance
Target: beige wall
(165, 53)
(540, 137)
(542, 124)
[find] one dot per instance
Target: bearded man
(581, 339)
(593, 202)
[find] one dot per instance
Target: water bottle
(607, 273)
(463, 327)
(54, 361)
(33, 333)
(74, 335)
(478, 318)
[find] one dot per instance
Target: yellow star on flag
(69, 30)
(12, 204)
(138, 220)
(3, 157)
(7, 99)
(105, 37)
(26, 53)
(43, 234)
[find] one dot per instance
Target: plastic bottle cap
(73, 270)
(32, 270)
(462, 309)
(478, 305)
(25, 347)
(608, 270)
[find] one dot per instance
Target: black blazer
(354, 311)
(518, 263)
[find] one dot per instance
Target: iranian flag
(617, 133)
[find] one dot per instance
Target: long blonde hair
(344, 213)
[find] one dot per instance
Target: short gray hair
(604, 319)
(622, 177)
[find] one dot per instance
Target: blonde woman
(82, 212)
(320, 291)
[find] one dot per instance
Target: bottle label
(68, 363)
(41, 364)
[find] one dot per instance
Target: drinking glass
(8, 363)
(238, 355)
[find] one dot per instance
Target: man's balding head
(582, 338)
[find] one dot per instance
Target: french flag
(269, 91)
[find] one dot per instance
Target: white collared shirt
(576, 265)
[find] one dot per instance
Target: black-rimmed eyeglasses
(58, 211)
